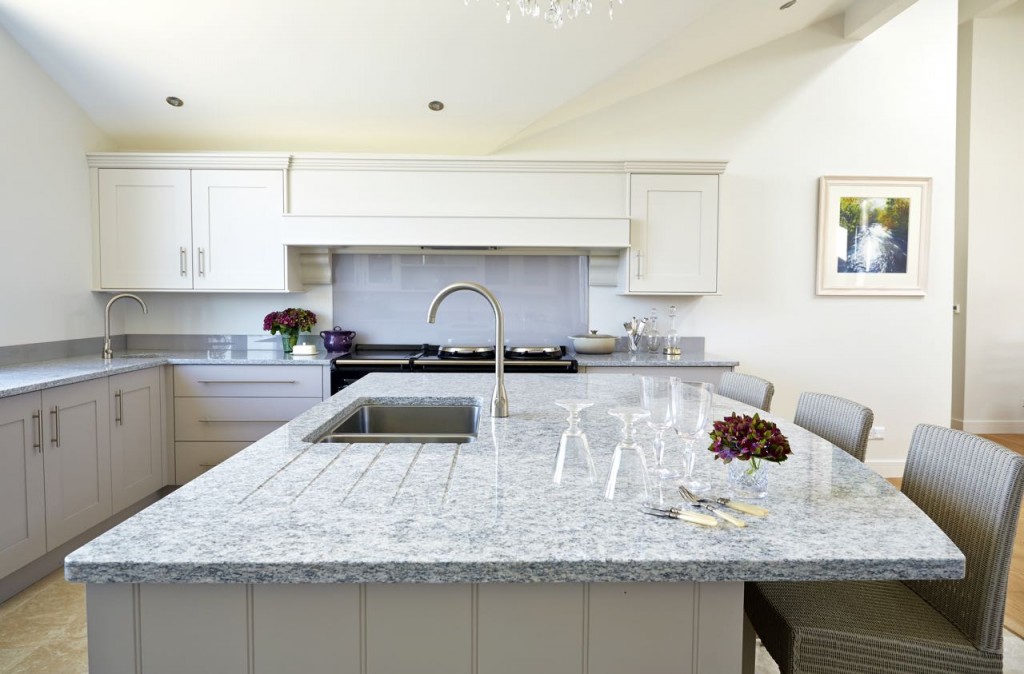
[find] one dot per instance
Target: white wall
(808, 105)
(44, 207)
(994, 330)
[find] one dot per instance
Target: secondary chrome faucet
(499, 401)
(108, 353)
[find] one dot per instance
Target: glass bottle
(652, 339)
(672, 339)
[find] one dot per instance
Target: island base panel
(491, 628)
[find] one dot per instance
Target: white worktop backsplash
(384, 298)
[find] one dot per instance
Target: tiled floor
(42, 631)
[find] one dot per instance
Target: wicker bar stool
(972, 489)
(747, 389)
(842, 422)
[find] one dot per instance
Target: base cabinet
(22, 503)
(136, 447)
(76, 459)
(71, 456)
(221, 409)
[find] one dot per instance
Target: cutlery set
(711, 505)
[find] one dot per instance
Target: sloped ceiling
(357, 75)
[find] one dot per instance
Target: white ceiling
(356, 75)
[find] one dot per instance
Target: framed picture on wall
(873, 235)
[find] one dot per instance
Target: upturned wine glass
(573, 459)
(656, 398)
(691, 411)
(628, 470)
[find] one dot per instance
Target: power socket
(876, 433)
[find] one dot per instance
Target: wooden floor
(1014, 617)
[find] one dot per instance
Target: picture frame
(873, 235)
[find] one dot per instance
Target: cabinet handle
(244, 421)
(202, 262)
(184, 262)
(638, 258)
(118, 408)
(246, 381)
(55, 414)
(209, 465)
(37, 417)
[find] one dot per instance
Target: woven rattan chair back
(971, 488)
(747, 389)
(842, 422)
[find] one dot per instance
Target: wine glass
(628, 468)
(573, 458)
(656, 398)
(691, 410)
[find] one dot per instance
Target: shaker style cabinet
(136, 447)
(76, 459)
(22, 505)
(181, 229)
(673, 241)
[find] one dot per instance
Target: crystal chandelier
(557, 10)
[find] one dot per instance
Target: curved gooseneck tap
(499, 402)
(108, 353)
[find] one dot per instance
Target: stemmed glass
(691, 410)
(656, 398)
(628, 468)
(573, 457)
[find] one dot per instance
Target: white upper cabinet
(673, 235)
(180, 229)
(145, 229)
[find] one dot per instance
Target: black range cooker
(367, 358)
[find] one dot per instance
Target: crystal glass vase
(748, 479)
(289, 340)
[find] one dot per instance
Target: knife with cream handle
(675, 513)
(717, 510)
(747, 508)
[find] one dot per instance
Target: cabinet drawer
(227, 419)
(249, 381)
(192, 459)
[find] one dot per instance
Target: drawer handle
(245, 421)
(209, 465)
(247, 381)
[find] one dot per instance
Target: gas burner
(535, 352)
(466, 352)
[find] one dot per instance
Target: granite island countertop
(289, 511)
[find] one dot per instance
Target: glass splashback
(384, 298)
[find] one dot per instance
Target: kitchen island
(294, 556)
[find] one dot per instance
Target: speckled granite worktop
(287, 511)
(645, 359)
(28, 377)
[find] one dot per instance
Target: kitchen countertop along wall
(28, 377)
(35, 376)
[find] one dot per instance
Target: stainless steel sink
(407, 423)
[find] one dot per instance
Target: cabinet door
(673, 234)
(136, 447)
(145, 229)
(22, 519)
(236, 221)
(76, 451)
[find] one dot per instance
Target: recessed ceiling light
(175, 101)
(787, 5)
(436, 106)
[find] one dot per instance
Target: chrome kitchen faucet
(108, 353)
(499, 401)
